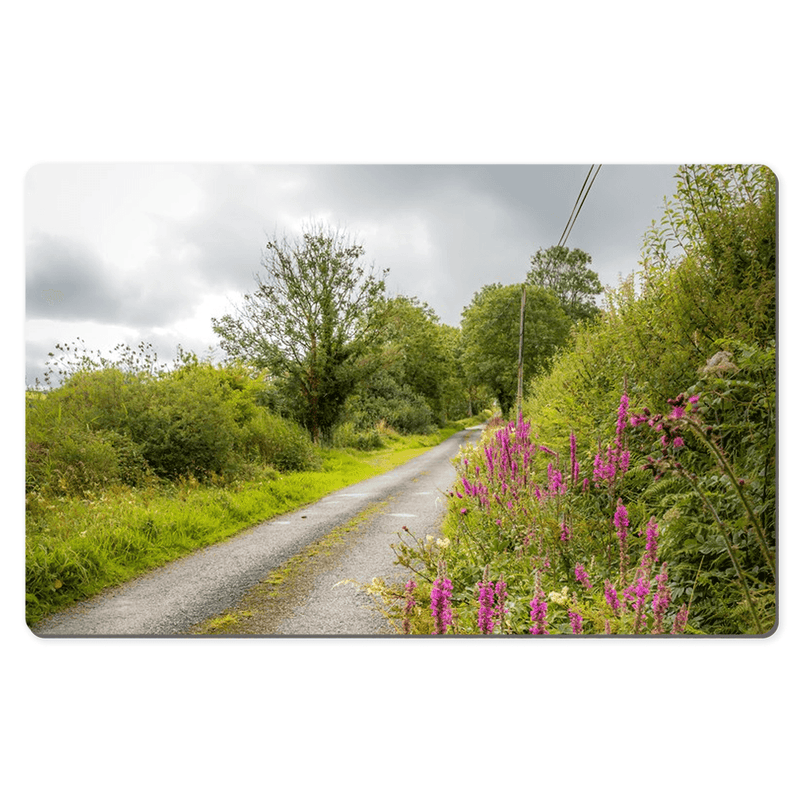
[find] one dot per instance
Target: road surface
(179, 598)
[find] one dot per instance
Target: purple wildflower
(573, 458)
(612, 598)
(582, 577)
(576, 620)
(441, 592)
(565, 532)
(538, 610)
(661, 600)
(681, 618)
(486, 604)
(621, 521)
(677, 412)
(677, 442)
(640, 591)
(622, 417)
(651, 532)
(500, 595)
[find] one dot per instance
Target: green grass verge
(75, 547)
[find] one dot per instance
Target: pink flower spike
(576, 620)
(582, 577)
(612, 598)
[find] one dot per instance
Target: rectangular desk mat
(484, 400)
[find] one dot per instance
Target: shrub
(346, 435)
(280, 442)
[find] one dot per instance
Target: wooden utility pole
(521, 344)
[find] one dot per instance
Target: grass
(75, 547)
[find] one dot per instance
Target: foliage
(490, 326)
(565, 273)
(78, 544)
(309, 322)
(113, 422)
(669, 523)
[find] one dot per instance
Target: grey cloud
(67, 280)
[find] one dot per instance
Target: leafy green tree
(566, 273)
(310, 322)
(418, 352)
(490, 326)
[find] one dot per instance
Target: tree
(416, 351)
(490, 327)
(311, 319)
(565, 273)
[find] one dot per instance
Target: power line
(576, 209)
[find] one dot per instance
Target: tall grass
(76, 546)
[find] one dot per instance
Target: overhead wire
(580, 199)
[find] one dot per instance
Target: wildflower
(463, 510)
(576, 620)
(677, 412)
(559, 598)
(681, 618)
(441, 592)
(501, 595)
(442, 543)
(661, 600)
(410, 603)
(640, 591)
(538, 613)
(651, 547)
(582, 577)
(621, 521)
(612, 598)
(573, 458)
(677, 442)
(565, 532)
(486, 603)
(622, 415)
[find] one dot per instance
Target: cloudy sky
(134, 252)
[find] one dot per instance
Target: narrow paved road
(176, 598)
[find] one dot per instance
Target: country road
(227, 578)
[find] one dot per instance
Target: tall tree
(312, 317)
(490, 329)
(566, 273)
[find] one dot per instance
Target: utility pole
(521, 343)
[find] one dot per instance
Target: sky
(131, 252)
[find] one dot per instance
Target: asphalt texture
(178, 598)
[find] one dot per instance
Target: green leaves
(565, 273)
(313, 315)
(490, 329)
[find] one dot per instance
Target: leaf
(57, 584)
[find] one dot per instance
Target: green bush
(279, 442)
(346, 435)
